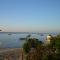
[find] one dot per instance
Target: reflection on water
(12, 41)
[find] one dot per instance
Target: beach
(11, 54)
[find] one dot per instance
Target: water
(12, 41)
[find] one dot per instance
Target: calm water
(12, 41)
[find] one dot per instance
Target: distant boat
(41, 34)
(25, 38)
(9, 34)
(28, 35)
(22, 38)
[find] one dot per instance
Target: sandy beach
(11, 54)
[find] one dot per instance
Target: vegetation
(36, 50)
(31, 43)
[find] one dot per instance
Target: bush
(31, 43)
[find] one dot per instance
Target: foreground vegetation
(37, 50)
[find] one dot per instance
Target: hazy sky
(30, 15)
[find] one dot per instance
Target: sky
(30, 15)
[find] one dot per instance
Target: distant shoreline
(30, 32)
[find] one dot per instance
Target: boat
(22, 38)
(25, 38)
(9, 34)
(28, 36)
(41, 34)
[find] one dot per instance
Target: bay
(12, 39)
